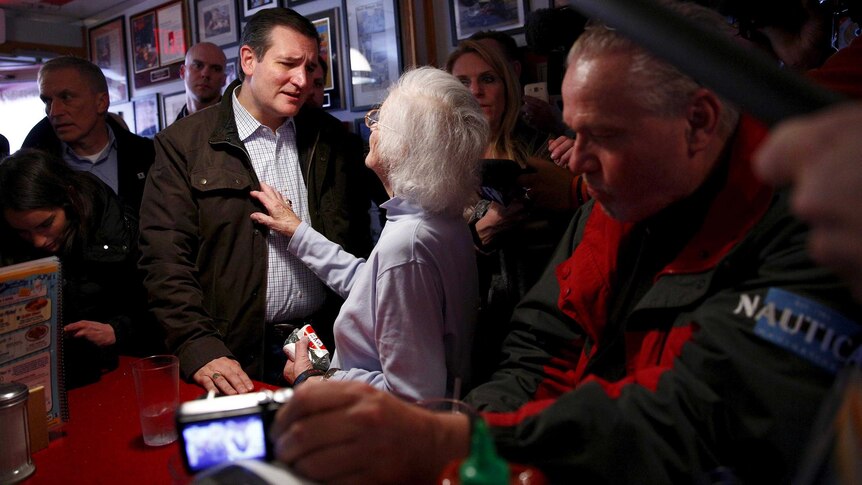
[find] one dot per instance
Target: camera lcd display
(226, 439)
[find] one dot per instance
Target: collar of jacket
(43, 136)
(225, 130)
(736, 208)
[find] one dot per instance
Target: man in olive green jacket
(207, 264)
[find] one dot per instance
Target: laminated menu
(31, 341)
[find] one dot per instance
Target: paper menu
(31, 343)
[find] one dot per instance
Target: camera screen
(209, 443)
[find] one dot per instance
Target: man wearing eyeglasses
(226, 290)
(204, 75)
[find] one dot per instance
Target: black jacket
(135, 156)
(101, 283)
(205, 259)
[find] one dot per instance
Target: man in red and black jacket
(681, 328)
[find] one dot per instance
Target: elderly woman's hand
(299, 362)
(281, 217)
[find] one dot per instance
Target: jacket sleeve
(730, 398)
(169, 245)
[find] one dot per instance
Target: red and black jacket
(636, 359)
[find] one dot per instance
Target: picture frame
(328, 24)
(126, 111)
(173, 32)
(147, 115)
(374, 59)
(469, 17)
(172, 104)
(107, 49)
(251, 7)
(145, 49)
(293, 3)
(217, 22)
(230, 69)
(160, 37)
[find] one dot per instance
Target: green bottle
(484, 466)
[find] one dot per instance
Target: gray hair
(433, 135)
(662, 88)
(89, 71)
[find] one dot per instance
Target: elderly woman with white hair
(407, 322)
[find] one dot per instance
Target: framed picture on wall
(230, 69)
(145, 48)
(374, 54)
(327, 24)
(217, 22)
(126, 111)
(107, 48)
(159, 40)
(469, 17)
(251, 7)
(172, 104)
(147, 115)
(172, 30)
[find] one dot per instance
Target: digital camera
(227, 428)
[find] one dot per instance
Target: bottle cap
(484, 466)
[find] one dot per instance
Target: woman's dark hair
(33, 179)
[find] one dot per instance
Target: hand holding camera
(223, 429)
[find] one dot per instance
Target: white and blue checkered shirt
(292, 290)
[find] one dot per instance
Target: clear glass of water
(157, 385)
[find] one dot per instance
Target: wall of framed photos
(367, 44)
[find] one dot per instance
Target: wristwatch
(305, 375)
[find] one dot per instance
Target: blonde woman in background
(514, 241)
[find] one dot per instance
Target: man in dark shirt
(78, 129)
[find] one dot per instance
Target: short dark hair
(89, 71)
(256, 33)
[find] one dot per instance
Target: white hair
(662, 88)
(432, 136)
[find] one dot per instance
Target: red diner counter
(102, 443)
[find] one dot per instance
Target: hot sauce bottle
(485, 467)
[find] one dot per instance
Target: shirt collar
(246, 124)
(105, 151)
(397, 207)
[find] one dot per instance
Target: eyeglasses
(372, 119)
